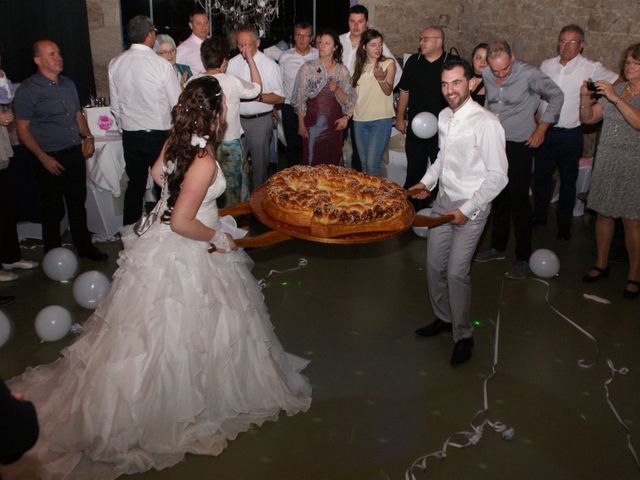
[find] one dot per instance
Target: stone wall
(530, 26)
(106, 39)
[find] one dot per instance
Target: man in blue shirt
(51, 126)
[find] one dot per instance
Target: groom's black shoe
(462, 351)
(434, 328)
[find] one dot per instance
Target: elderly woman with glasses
(165, 46)
(615, 190)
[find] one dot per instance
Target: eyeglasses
(302, 35)
(631, 64)
(167, 52)
(568, 42)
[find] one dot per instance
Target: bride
(180, 356)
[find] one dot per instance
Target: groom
(471, 169)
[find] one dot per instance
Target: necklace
(631, 92)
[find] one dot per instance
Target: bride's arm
(194, 187)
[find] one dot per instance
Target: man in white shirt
(562, 146)
(290, 63)
(471, 169)
(256, 116)
(358, 24)
(229, 153)
(143, 89)
(188, 52)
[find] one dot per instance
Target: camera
(593, 88)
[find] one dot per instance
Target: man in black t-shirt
(420, 92)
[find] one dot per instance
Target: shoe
(21, 264)
(462, 351)
(489, 255)
(602, 273)
(434, 328)
(564, 233)
(93, 254)
(519, 270)
(7, 276)
(6, 300)
(631, 294)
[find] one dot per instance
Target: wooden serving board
(282, 232)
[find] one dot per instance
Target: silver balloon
(52, 323)
(424, 125)
(60, 264)
(5, 328)
(422, 231)
(544, 263)
(89, 288)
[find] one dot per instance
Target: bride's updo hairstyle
(195, 117)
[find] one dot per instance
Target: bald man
(51, 126)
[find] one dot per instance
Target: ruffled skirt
(179, 357)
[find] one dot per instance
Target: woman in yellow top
(373, 116)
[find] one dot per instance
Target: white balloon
(544, 263)
(60, 264)
(89, 288)
(422, 231)
(53, 323)
(5, 328)
(424, 125)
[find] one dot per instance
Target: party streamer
(302, 262)
(473, 437)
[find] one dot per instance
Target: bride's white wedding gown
(179, 357)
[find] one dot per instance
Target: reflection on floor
(383, 397)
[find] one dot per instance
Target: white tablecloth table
(105, 170)
(582, 185)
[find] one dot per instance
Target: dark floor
(383, 397)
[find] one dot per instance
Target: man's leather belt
(257, 115)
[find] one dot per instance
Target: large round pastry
(333, 201)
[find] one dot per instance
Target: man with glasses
(188, 52)
(144, 89)
(562, 147)
(420, 92)
(290, 63)
(514, 89)
(256, 116)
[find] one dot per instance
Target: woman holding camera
(615, 189)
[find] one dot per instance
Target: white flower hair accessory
(198, 141)
(170, 167)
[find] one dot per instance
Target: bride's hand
(223, 242)
(232, 244)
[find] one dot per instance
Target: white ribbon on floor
(473, 437)
(581, 362)
(621, 371)
(302, 262)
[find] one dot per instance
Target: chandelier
(259, 13)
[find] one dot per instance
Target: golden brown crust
(331, 200)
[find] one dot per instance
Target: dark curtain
(22, 22)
